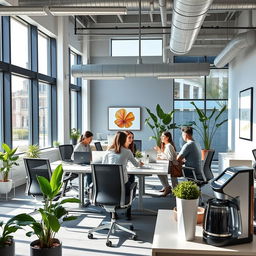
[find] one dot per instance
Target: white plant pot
(186, 219)
(5, 187)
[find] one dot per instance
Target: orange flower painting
(124, 119)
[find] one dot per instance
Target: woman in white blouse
(167, 151)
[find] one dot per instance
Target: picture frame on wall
(246, 114)
(124, 118)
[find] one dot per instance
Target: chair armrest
(192, 169)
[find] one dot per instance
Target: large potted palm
(8, 159)
(53, 214)
(159, 123)
(208, 125)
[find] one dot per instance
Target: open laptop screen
(82, 157)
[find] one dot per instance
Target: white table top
(167, 242)
(159, 168)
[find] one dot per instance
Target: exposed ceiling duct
(187, 19)
(172, 70)
(241, 41)
(146, 5)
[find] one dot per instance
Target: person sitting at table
(84, 146)
(190, 153)
(167, 151)
(119, 154)
(129, 144)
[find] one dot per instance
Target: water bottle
(147, 159)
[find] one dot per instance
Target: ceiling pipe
(134, 5)
(102, 71)
(163, 13)
(234, 47)
(187, 19)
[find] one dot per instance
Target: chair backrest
(254, 153)
(36, 167)
(66, 152)
(207, 171)
(138, 144)
(98, 146)
(108, 185)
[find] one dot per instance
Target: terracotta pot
(8, 250)
(204, 153)
(53, 251)
(200, 214)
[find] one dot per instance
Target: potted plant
(52, 216)
(74, 135)
(33, 151)
(138, 155)
(8, 159)
(7, 244)
(56, 144)
(159, 123)
(209, 125)
(187, 194)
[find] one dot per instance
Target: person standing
(190, 154)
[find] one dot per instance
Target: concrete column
(63, 80)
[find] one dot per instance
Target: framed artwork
(124, 118)
(246, 114)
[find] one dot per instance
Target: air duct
(187, 19)
(133, 5)
(241, 41)
(105, 71)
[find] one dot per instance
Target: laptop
(97, 156)
(152, 155)
(83, 158)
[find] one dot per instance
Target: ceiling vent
(234, 47)
(121, 71)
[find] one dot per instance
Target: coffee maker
(229, 216)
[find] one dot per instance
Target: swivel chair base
(112, 226)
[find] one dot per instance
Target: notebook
(83, 158)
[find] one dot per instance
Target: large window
(73, 61)
(207, 93)
(43, 54)
(19, 44)
(20, 113)
(1, 109)
(44, 115)
(149, 47)
(73, 108)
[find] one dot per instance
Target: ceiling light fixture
(22, 10)
(105, 78)
(69, 11)
(177, 77)
(60, 11)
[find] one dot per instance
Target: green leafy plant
(56, 144)
(8, 159)
(74, 134)
(186, 190)
(52, 214)
(33, 151)
(208, 124)
(138, 154)
(159, 123)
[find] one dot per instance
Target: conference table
(158, 168)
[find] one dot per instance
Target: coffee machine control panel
(224, 178)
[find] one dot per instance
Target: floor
(74, 234)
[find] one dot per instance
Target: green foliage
(10, 227)
(186, 190)
(52, 214)
(33, 151)
(8, 159)
(159, 123)
(56, 144)
(138, 154)
(21, 134)
(208, 124)
(74, 134)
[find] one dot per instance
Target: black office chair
(254, 153)
(38, 167)
(109, 192)
(138, 145)
(206, 172)
(98, 146)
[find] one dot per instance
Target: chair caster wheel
(131, 228)
(134, 237)
(109, 243)
(90, 236)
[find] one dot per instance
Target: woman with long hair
(167, 151)
(119, 154)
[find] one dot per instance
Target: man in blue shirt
(191, 153)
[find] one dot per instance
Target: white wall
(242, 76)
